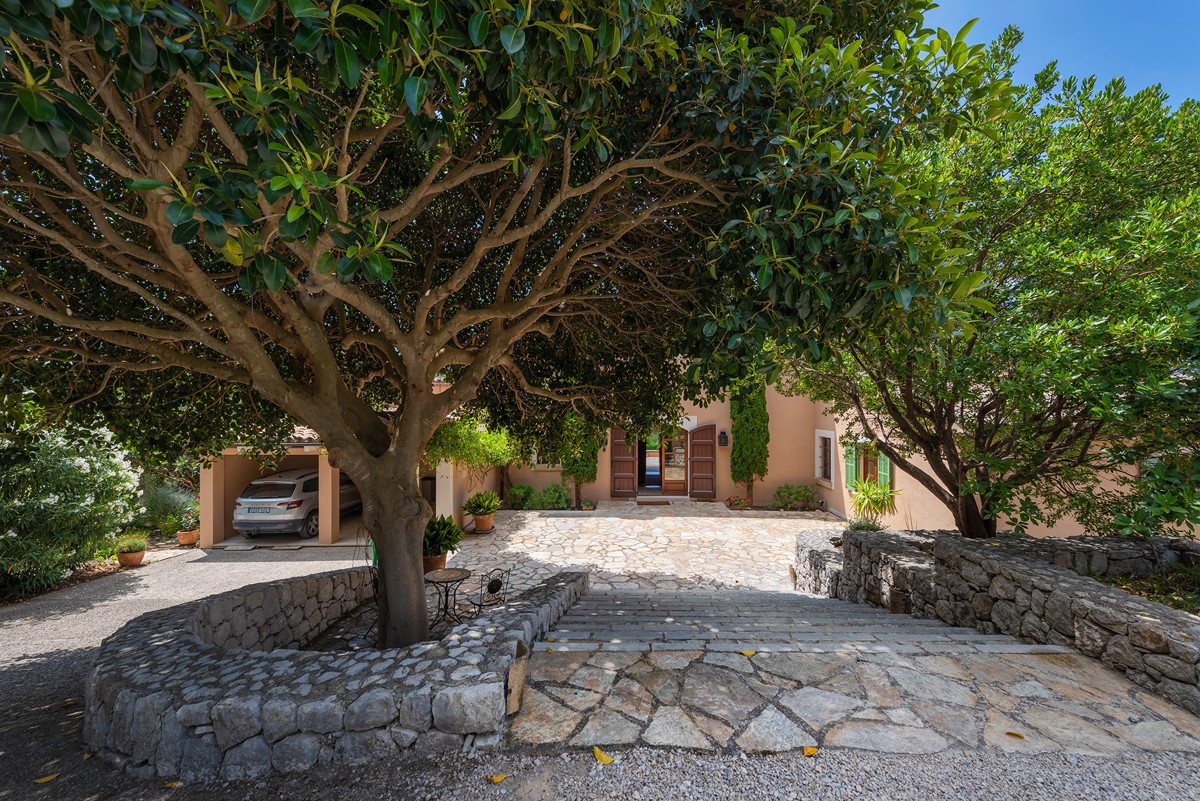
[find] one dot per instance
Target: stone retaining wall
(1025, 587)
(215, 690)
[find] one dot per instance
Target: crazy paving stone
(631, 698)
(773, 732)
(1072, 733)
(886, 738)
(818, 708)
(720, 693)
(672, 727)
(607, 728)
(575, 697)
(543, 720)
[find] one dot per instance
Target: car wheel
(311, 526)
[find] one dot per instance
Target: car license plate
(259, 510)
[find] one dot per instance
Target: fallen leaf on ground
(45, 779)
(601, 757)
(498, 777)
(810, 751)
(87, 756)
(549, 650)
(747, 653)
(1016, 734)
(70, 703)
(167, 786)
(550, 639)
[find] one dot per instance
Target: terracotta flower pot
(188, 537)
(483, 522)
(130, 559)
(434, 562)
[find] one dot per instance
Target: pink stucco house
(691, 462)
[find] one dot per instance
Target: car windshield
(268, 490)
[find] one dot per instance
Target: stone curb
(215, 689)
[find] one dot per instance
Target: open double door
(687, 459)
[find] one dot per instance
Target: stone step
(745, 620)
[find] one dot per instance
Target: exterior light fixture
(723, 439)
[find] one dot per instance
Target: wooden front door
(624, 463)
(702, 461)
(674, 463)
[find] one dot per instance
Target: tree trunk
(750, 492)
(578, 494)
(969, 518)
(395, 516)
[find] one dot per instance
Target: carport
(223, 480)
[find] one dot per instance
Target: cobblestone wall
(214, 690)
(1028, 588)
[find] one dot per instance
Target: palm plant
(872, 500)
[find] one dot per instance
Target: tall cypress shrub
(751, 435)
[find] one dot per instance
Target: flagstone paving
(799, 678)
(693, 638)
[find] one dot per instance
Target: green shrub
(482, 503)
(162, 500)
(554, 496)
(168, 526)
(442, 535)
(519, 495)
(63, 498)
(130, 543)
(796, 498)
(863, 524)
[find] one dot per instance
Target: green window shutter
(885, 471)
(851, 465)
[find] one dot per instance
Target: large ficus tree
(1073, 386)
(329, 205)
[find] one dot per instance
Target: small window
(869, 469)
(824, 461)
(311, 485)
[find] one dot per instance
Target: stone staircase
(739, 620)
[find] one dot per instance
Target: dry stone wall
(216, 689)
(1028, 588)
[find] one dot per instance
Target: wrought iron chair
(493, 589)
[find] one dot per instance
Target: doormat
(286, 547)
(653, 503)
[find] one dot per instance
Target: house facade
(693, 461)
(690, 462)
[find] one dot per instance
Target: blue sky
(1147, 42)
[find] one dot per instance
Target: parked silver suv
(286, 502)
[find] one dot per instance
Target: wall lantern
(723, 439)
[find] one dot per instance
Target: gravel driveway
(46, 646)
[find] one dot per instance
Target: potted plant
(482, 506)
(441, 537)
(738, 503)
(587, 505)
(130, 550)
(189, 528)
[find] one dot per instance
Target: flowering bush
(63, 498)
(737, 502)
